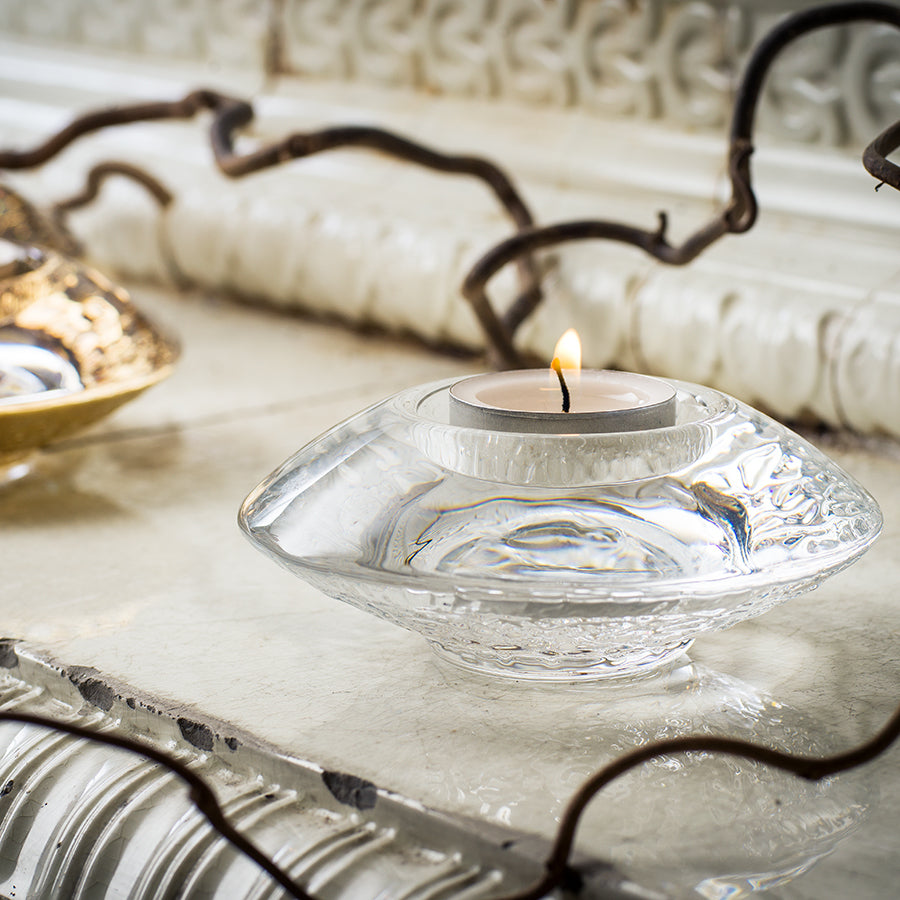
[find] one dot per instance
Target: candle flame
(568, 350)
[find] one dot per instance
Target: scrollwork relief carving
(673, 60)
(385, 41)
(697, 68)
(108, 23)
(45, 19)
(172, 28)
(611, 57)
(531, 43)
(676, 60)
(871, 80)
(802, 99)
(236, 32)
(455, 56)
(315, 39)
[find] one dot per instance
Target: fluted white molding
(797, 345)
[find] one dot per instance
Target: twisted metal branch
(810, 768)
(98, 174)
(737, 217)
(875, 157)
(231, 114)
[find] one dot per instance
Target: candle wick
(556, 365)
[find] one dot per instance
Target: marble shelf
(124, 566)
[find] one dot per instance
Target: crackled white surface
(121, 552)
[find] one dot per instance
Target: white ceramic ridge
(561, 557)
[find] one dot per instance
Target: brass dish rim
(105, 390)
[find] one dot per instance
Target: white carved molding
(672, 60)
(676, 61)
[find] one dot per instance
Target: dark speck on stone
(349, 789)
(6, 788)
(8, 658)
(196, 733)
(232, 743)
(91, 688)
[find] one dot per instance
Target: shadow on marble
(46, 494)
(704, 825)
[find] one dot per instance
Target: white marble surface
(121, 552)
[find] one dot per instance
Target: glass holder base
(514, 662)
(561, 557)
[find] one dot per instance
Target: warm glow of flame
(568, 350)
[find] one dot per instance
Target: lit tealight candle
(563, 399)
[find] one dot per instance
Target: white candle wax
(531, 401)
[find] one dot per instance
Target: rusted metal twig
(185, 108)
(231, 114)
(737, 217)
(810, 768)
(875, 157)
(96, 177)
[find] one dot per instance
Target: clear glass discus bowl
(561, 557)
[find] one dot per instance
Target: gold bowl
(73, 348)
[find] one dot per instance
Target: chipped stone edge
(72, 690)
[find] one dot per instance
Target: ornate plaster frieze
(227, 33)
(674, 61)
(799, 316)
